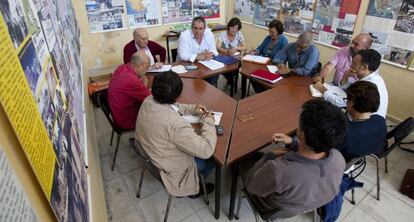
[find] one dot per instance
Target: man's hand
(158, 65)
(350, 73)
(201, 56)
(282, 138)
(320, 87)
(209, 55)
(279, 151)
(200, 109)
(316, 79)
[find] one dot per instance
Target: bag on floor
(407, 185)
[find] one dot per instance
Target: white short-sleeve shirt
(226, 44)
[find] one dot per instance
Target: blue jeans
(205, 166)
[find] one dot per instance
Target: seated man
(127, 90)
(364, 67)
(155, 52)
(302, 57)
(307, 173)
(197, 44)
(343, 58)
(173, 145)
(366, 133)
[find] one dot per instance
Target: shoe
(209, 188)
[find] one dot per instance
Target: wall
(399, 81)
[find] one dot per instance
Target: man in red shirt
(127, 90)
(156, 52)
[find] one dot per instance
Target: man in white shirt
(197, 44)
(364, 67)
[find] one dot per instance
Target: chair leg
(168, 208)
(204, 189)
(140, 182)
(386, 164)
(315, 215)
(118, 140)
(353, 196)
(248, 88)
(112, 137)
(241, 194)
(236, 80)
(378, 180)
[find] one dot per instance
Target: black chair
(399, 133)
(354, 168)
(174, 53)
(153, 170)
(104, 105)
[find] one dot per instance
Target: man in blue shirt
(302, 57)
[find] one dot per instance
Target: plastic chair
(399, 133)
(104, 105)
(153, 170)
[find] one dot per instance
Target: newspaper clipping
(105, 15)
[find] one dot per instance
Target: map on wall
(208, 9)
(176, 11)
(143, 13)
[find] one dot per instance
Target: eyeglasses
(246, 117)
(345, 99)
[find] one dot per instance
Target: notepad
(256, 59)
(228, 60)
(212, 64)
(196, 118)
(266, 76)
(164, 68)
(331, 88)
(272, 68)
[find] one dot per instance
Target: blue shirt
(303, 64)
(263, 48)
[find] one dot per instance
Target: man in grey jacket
(307, 173)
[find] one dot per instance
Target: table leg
(232, 84)
(168, 48)
(235, 172)
(243, 86)
(218, 187)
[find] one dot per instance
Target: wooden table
(197, 91)
(248, 67)
(258, 117)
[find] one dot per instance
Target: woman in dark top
(366, 133)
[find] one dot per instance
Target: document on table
(164, 68)
(196, 118)
(331, 88)
(212, 64)
(272, 68)
(256, 59)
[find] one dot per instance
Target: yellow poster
(19, 104)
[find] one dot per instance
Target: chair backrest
(399, 133)
(152, 169)
(174, 53)
(104, 105)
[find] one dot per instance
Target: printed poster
(106, 15)
(176, 11)
(405, 19)
(265, 11)
(298, 15)
(143, 13)
(243, 9)
(208, 9)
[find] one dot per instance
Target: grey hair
(305, 38)
(198, 19)
(139, 58)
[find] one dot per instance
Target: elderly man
(155, 52)
(302, 57)
(127, 90)
(364, 67)
(343, 58)
(197, 44)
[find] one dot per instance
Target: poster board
(243, 9)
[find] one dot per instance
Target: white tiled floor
(121, 184)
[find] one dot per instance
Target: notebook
(164, 68)
(196, 118)
(228, 60)
(334, 89)
(212, 64)
(266, 76)
(256, 59)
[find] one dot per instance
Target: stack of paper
(256, 59)
(196, 118)
(164, 68)
(212, 64)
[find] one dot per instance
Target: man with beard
(343, 59)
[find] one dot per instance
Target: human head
(198, 25)
(167, 87)
(365, 62)
(141, 37)
(275, 29)
(234, 25)
(362, 97)
(360, 42)
(140, 62)
(322, 126)
(304, 41)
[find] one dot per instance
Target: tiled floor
(121, 185)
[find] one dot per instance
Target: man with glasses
(343, 59)
(302, 57)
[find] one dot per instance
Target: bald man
(127, 90)
(343, 59)
(155, 52)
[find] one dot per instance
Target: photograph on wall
(297, 15)
(243, 9)
(208, 9)
(384, 8)
(398, 55)
(265, 11)
(405, 19)
(46, 21)
(379, 41)
(106, 15)
(143, 13)
(31, 65)
(175, 11)
(13, 15)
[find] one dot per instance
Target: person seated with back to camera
(366, 131)
(307, 173)
(172, 144)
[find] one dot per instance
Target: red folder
(266, 76)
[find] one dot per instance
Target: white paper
(255, 58)
(331, 88)
(272, 68)
(212, 64)
(196, 118)
(164, 68)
